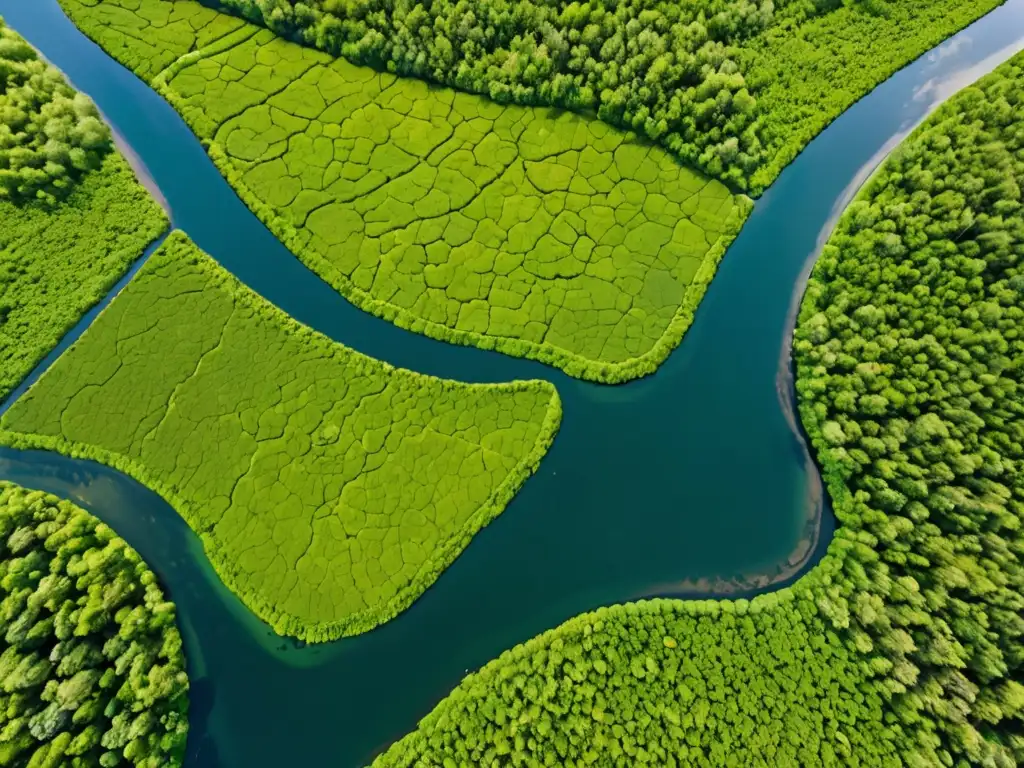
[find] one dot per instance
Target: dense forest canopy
(905, 645)
(911, 374)
(49, 134)
(91, 668)
(329, 489)
(676, 72)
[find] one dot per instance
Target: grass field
(536, 232)
(329, 489)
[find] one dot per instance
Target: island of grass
(329, 489)
(905, 645)
(91, 665)
(73, 218)
(540, 234)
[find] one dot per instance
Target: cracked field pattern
(328, 489)
(148, 36)
(540, 233)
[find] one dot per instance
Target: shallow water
(691, 481)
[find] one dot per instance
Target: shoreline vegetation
(329, 489)
(92, 671)
(905, 644)
(73, 217)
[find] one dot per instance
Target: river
(692, 481)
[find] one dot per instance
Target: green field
(904, 646)
(67, 234)
(91, 669)
(329, 489)
(538, 233)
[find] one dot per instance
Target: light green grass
(329, 489)
(538, 233)
(736, 89)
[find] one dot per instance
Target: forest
(329, 489)
(91, 669)
(49, 134)
(905, 644)
(65, 243)
(688, 76)
(57, 261)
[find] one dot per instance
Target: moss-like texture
(904, 646)
(540, 234)
(329, 489)
(57, 261)
(91, 665)
(147, 37)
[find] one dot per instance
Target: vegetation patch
(537, 233)
(148, 36)
(49, 134)
(91, 668)
(905, 645)
(66, 239)
(734, 88)
(329, 489)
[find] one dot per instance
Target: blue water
(691, 481)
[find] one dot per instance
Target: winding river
(693, 481)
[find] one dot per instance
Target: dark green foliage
(911, 360)
(904, 645)
(57, 257)
(56, 261)
(687, 75)
(664, 683)
(49, 134)
(91, 665)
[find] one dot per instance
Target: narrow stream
(692, 481)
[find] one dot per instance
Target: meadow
(905, 644)
(577, 238)
(329, 489)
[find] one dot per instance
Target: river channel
(692, 482)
